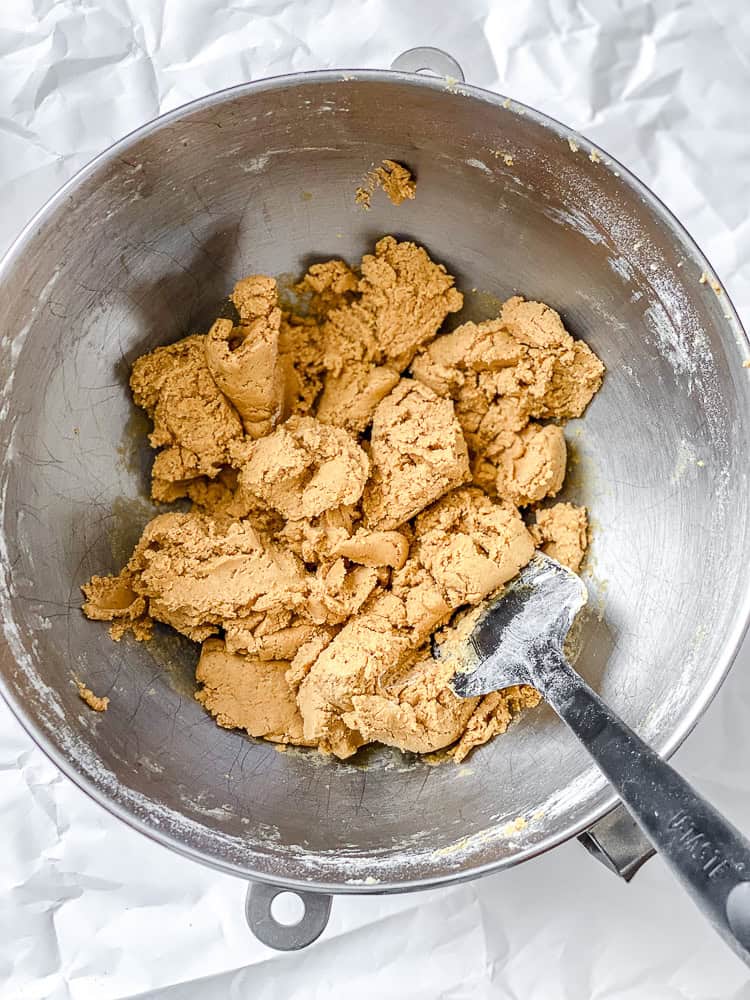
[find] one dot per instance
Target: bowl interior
(142, 250)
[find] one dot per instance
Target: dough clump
(417, 454)
(94, 701)
(355, 481)
(394, 178)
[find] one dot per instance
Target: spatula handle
(707, 854)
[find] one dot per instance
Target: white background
(88, 908)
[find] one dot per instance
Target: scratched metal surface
(93, 921)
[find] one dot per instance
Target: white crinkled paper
(90, 909)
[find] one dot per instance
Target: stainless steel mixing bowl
(142, 247)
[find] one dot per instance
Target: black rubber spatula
(519, 639)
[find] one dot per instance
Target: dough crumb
(94, 702)
(706, 278)
(394, 178)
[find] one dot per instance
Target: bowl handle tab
(618, 843)
(426, 59)
(281, 936)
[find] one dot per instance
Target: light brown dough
(416, 712)
(317, 539)
(375, 548)
(562, 532)
(532, 466)
(416, 603)
(351, 398)
(328, 285)
(194, 423)
(576, 372)
(340, 591)
(223, 499)
(471, 546)
(302, 355)
(493, 715)
(402, 298)
(242, 692)
(417, 453)
(198, 574)
(95, 703)
(332, 530)
(359, 659)
(113, 599)
(394, 178)
(244, 360)
(305, 468)
(368, 675)
(501, 374)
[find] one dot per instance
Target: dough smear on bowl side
(356, 480)
(394, 178)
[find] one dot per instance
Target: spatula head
(535, 612)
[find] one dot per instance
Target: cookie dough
(562, 532)
(471, 546)
(356, 481)
(401, 300)
(199, 575)
(502, 376)
(94, 701)
(249, 693)
(113, 599)
(417, 453)
(350, 399)
(194, 422)
(304, 468)
(244, 359)
(394, 178)
(532, 465)
(465, 547)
